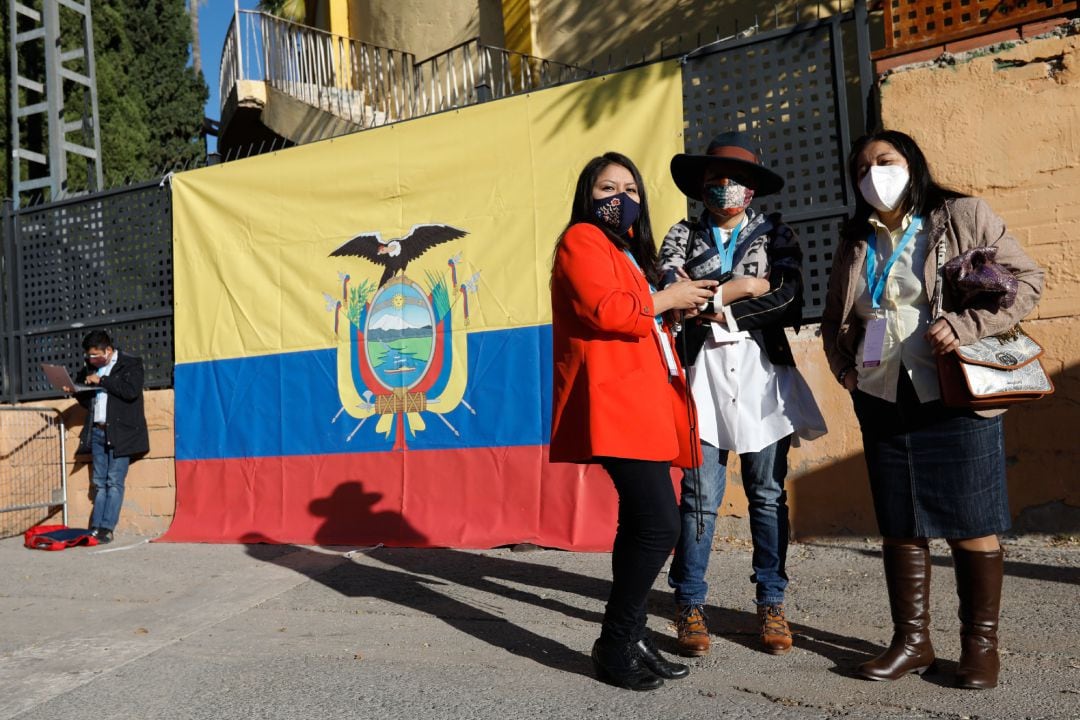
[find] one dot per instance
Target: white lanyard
(665, 348)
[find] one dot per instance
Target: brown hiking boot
(775, 633)
(693, 632)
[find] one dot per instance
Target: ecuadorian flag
(363, 338)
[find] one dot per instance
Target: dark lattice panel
(5, 371)
(104, 256)
(103, 261)
(913, 24)
(817, 238)
(152, 340)
(782, 89)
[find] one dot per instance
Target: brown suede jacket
(962, 224)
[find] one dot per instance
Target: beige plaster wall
(425, 27)
(577, 32)
(627, 30)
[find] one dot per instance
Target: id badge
(873, 342)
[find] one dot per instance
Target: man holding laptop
(110, 387)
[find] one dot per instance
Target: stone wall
(150, 496)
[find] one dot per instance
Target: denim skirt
(935, 472)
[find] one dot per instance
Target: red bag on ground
(57, 537)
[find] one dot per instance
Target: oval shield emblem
(400, 333)
(1007, 358)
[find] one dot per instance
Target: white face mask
(884, 186)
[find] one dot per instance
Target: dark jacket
(125, 419)
(765, 317)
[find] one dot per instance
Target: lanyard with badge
(669, 356)
(874, 339)
(727, 251)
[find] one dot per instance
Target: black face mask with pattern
(617, 212)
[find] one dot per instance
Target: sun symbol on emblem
(398, 301)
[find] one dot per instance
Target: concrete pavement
(153, 630)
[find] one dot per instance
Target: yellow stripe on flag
(253, 272)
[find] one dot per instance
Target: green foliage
(358, 297)
(150, 100)
(5, 103)
(295, 10)
(440, 299)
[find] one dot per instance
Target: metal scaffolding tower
(54, 106)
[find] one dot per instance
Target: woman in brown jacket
(934, 471)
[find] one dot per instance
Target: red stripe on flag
(475, 498)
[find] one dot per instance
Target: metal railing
(33, 468)
(370, 85)
(472, 72)
(363, 83)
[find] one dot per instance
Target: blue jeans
(108, 479)
(763, 475)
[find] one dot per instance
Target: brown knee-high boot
(978, 585)
(907, 577)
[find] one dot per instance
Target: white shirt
(744, 402)
(101, 397)
(906, 310)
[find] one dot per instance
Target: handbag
(993, 372)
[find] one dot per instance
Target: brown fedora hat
(735, 153)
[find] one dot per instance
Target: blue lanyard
(727, 252)
(875, 282)
(633, 259)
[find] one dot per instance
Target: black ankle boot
(619, 664)
(652, 659)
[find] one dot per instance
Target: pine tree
(150, 99)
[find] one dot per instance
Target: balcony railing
(471, 72)
(363, 83)
(916, 24)
(370, 85)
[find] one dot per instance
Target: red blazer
(612, 395)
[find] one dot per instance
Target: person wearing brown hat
(750, 397)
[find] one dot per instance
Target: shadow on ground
(428, 581)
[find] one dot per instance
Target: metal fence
(33, 473)
(360, 82)
(472, 72)
(99, 261)
(789, 88)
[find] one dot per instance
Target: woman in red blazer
(620, 396)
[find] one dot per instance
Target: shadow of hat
(736, 156)
(347, 495)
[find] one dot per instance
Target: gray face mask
(730, 199)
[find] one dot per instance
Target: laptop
(58, 377)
